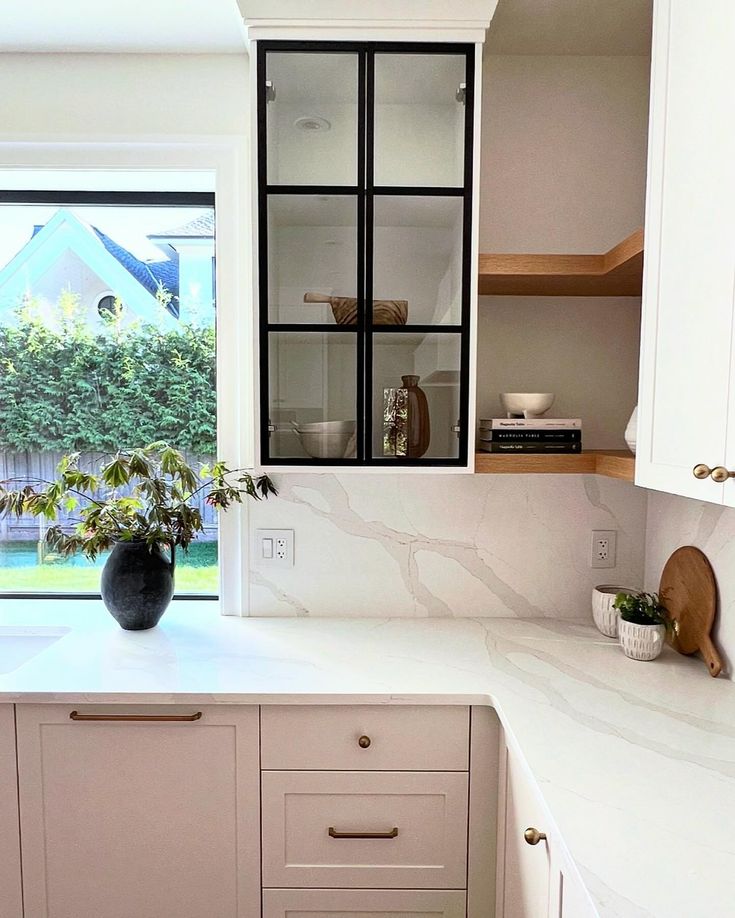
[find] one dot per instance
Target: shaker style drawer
(352, 829)
(363, 903)
(365, 738)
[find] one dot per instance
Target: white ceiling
(571, 27)
(164, 26)
(215, 26)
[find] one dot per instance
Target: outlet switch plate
(274, 547)
(603, 548)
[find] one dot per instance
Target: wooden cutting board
(689, 591)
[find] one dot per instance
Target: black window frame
(365, 191)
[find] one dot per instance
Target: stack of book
(530, 435)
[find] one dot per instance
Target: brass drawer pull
(701, 471)
(533, 836)
(364, 742)
(720, 474)
(333, 833)
(179, 718)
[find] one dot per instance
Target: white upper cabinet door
(10, 894)
(131, 818)
(687, 385)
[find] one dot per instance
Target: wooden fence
(27, 465)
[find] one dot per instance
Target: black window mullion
(360, 387)
(369, 237)
(464, 383)
(264, 337)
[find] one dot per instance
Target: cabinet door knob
(364, 742)
(533, 836)
(701, 471)
(720, 474)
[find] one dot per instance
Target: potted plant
(644, 621)
(139, 502)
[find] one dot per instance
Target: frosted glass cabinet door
(419, 119)
(132, 819)
(312, 103)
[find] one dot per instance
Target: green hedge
(64, 387)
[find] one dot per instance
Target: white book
(531, 424)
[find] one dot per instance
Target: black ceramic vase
(137, 584)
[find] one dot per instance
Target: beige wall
(563, 170)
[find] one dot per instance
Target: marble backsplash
(445, 545)
(674, 521)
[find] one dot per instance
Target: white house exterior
(67, 254)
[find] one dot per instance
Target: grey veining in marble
(445, 546)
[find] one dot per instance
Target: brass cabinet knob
(701, 471)
(364, 742)
(720, 474)
(533, 836)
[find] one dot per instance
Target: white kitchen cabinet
(536, 878)
(135, 813)
(10, 882)
(363, 903)
(364, 829)
(687, 381)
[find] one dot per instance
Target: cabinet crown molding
(345, 20)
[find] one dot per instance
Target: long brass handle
(75, 715)
(533, 836)
(720, 474)
(701, 471)
(333, 833)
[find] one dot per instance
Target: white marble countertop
(635, 761)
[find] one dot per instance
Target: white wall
(125, 95)
(563, 170)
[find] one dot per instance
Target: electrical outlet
(274, 547)
(604, 543)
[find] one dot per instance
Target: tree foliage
(158, 505)
(67, 387)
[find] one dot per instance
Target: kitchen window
(107, 341)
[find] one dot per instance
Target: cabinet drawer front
(315, 823)
(400, 738)
(363, 903)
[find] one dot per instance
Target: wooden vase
(344, 309)
(419, 422)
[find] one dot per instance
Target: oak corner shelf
(618, 272)
(612, 463)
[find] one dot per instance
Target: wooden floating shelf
(618, 272)
(613, 463)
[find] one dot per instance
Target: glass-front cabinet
(364, 225)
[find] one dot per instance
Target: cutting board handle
(711, 657)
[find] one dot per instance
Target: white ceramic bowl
(326, 439)
(529, 404)
(604, 616)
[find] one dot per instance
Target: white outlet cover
(609, 535)
(282, 541)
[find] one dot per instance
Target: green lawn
(78, 579)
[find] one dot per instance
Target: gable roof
(201, 227)
(135, 281)
(150, 274)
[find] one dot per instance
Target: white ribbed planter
(641, 642)
(603, 614)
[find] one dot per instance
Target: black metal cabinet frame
(365, 192)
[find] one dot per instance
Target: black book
(532, 436)
(504, 446)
